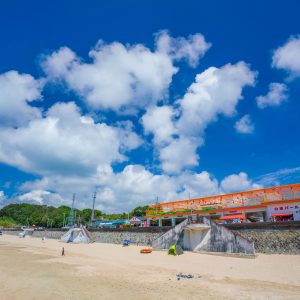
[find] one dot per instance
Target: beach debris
(63, 251)
(186, 276)
(126, 243)
(146, 251)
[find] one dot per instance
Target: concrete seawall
(141, 236)
(221, 239)
(283, 238)
(169, 238)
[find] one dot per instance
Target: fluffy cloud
(194, 185)
(131, 187)
(2, 198)
(287, 57)
(123, 77)
(179, 154)
(16, 92)
(120, 191)
(238, 182)
(191, 49)
(215, 92)
(159, 122)
(65, 142)
(41, 197)
(276, 95)
(74, 153)
(244, 125)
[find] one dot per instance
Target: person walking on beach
(63, 251)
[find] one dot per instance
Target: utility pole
(190, 204)
(71, 218)
(93, 210)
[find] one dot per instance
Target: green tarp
(175, 250)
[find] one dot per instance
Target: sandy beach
(34, 269)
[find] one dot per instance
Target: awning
(231, 217)
(282, 215)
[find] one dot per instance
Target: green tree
(7, 222)
(139, 211)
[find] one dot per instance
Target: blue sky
(142, 100)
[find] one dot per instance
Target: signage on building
(284, 209)
(135, 219)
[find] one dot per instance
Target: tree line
(26, 214)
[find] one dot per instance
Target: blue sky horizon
(144, 100)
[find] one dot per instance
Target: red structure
(267, 202)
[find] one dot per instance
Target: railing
(240, 199)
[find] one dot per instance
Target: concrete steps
(204, 235)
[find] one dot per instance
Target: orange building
(280, 203)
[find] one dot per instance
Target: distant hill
(49, 216)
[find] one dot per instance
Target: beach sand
(34, 269)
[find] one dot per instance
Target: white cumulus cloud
(123, 77)
(278, 93)
(16, 92)
(65, 142)
(2, 198)
(238, 183)
(41, 197)
(159, 122)
(133, 186)
(72, 152)
(180, 153)
(287, 57)
(244, 125)
(215, 92)
(191, 48)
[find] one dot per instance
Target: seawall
(141, 236)
(283, 238)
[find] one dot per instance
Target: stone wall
(140, 236)
(282, 238)
(274, 241)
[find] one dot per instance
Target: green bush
(7, 222)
